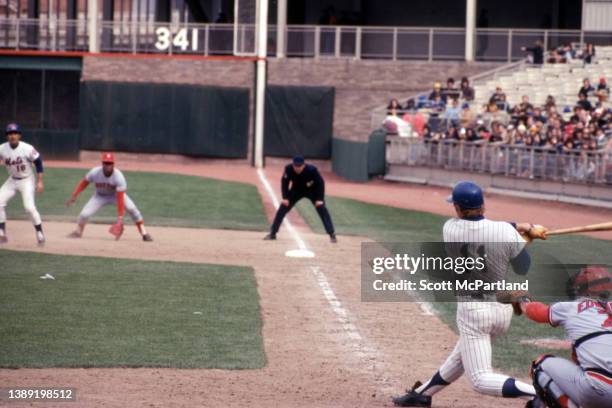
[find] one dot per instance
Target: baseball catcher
(586, 381)
(301, 180)
(110, 189)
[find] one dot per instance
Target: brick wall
(361, 86)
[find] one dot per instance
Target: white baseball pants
(27, 189)
(479, 323)
(98, 201)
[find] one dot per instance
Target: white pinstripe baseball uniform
(481, 321)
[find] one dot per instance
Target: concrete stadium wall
(361, 85)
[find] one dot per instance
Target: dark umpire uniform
(301, 180)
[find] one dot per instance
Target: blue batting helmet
(12, 128)
(467, 195)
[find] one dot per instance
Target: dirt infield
(325, 347)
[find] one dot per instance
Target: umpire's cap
(298, 160)
(12, 128)
(467, 195)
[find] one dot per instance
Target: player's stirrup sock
(517, 389)
(141, 227)
(2, 226)
(435, 384)
(38, 227)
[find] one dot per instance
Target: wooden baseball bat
(606, 226)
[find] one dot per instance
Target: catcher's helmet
(594, 281)
(12, 128)
(467, 195)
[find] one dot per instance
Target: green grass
(110, 312)
(393, 225)
(163, 199)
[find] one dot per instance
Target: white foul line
(357, 342)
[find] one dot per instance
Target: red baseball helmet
(594, 281)
(108, 158)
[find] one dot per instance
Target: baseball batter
(19, 157)
(111, 188)
(587, 381)
(479, 317)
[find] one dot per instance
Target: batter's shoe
(3, 238)
(270, 237)
(535, 403)
(413, 398)
(40, 238)
(333, 239)
(75, 234)
(147, 238)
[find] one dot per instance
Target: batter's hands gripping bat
(606, 226)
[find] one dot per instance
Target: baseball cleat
(40, 238)
(75, 234)
(147, 238)
(270, 237)
(333, 239)
(413, 398)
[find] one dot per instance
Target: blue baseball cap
(12, 128)
(467, 195)
(298, 160)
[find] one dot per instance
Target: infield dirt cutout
(311, 358)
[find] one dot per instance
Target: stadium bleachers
(560, 80)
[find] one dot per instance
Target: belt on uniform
(590, 336)
(19, 178)
(600, 374)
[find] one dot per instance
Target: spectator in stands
(556, 57)
(467, 116)
(525, 106)
(583, 102)
(467, 92)
(451, 91)
(603, 85)
(538, 116)
(568, 52)
(410, 105)
(393, 104)
(588, 53)
(537, 52)
(586, 88)
(550, 102)
(437, 91)
(395, 125)
(498, 95)
(453, 113)
(417, 121)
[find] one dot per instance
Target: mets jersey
(106, 185)
(583, 317)
(499, 241)
(18, 161)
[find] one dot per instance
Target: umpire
(302, 180)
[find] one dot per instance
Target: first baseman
(19, 157)
(479, 317)
(587, 381)
(111, 188)
(301, 180)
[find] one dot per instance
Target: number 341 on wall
(180, 39)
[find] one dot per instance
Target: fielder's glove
(514, 298)
(116, 230)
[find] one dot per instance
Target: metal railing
(502, 159)
(306, 41)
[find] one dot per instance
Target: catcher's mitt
(535, 232)
(514, 298)
(116, 230)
